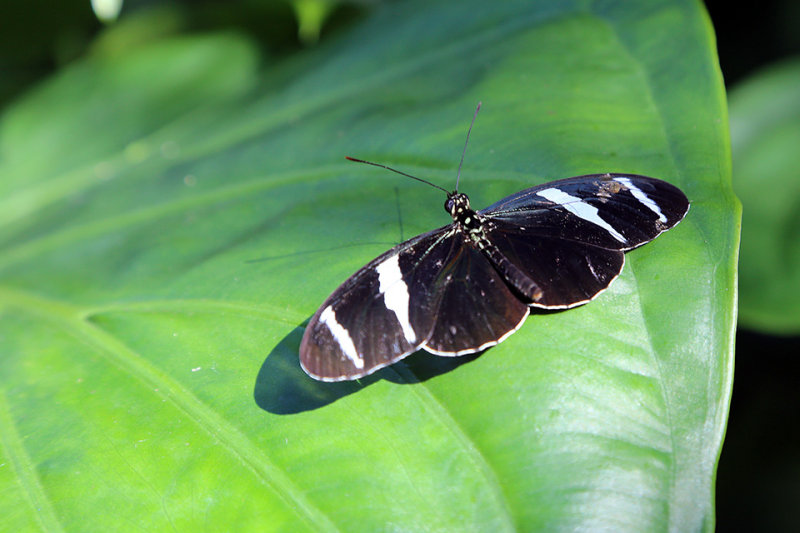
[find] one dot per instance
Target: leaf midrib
(117, 353)
(22, 466)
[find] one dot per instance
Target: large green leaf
(765, 134)
(169, 219)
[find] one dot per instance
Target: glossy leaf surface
(170, 219)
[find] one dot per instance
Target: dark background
(758, 483)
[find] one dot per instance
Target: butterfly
(467, 286)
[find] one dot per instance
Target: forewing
(380, 314)
(476, 308)
(615, 211)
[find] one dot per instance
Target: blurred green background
(758, 483)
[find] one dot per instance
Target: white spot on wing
(395, 294)
(642, 197)
(341, 336)
(580, 209)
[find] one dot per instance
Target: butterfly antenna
(458, 176)
(397, 171)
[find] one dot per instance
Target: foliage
(765, 134)
(170, 217)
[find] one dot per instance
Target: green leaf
(170, 219)
(765, 134)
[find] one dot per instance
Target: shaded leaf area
(170, 220)
(765, 134)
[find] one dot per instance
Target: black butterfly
(469, 285)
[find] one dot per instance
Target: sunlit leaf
(170, 219)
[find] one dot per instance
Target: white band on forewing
(395, 294)
(642, 197)
(580, 209)
(328, 317)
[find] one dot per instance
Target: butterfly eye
(449, 204)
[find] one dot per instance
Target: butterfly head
(457, 204)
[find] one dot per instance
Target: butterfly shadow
(282, 388)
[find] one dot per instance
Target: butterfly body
(469, 285)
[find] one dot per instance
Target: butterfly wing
(551, 272)
(380, 314)
(615, 211)
(434, 292)
(476, 307)
(561, 243)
